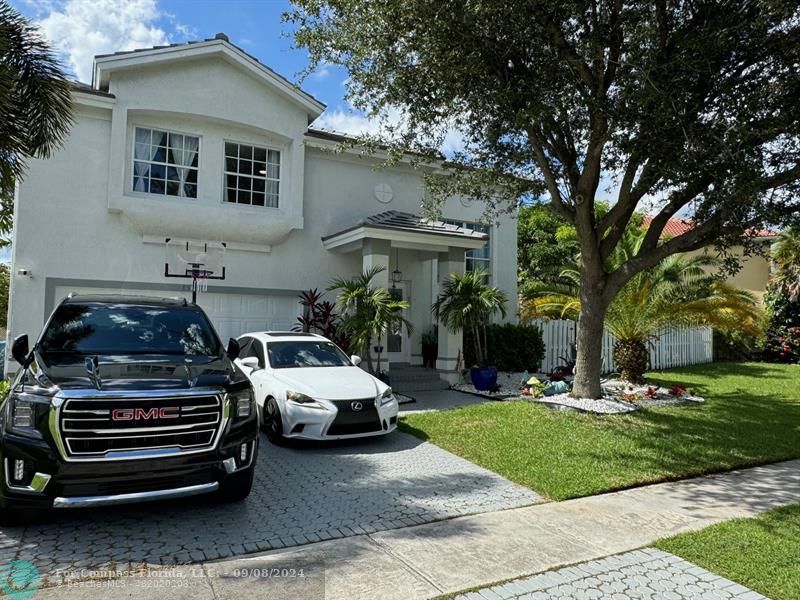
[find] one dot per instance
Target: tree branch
(558, 204)
(612, 226)
(677, 200)
(694, 239)
(615, 47)
(572, 57)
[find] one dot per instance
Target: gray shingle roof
(79, 86)
(403, 221)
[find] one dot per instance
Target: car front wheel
(272, 423)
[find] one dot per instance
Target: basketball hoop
(200, 280)
(198, 261)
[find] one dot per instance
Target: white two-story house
(200, 141)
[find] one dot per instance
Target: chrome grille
(101, 427)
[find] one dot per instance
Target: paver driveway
(648, 574)
(302, 494)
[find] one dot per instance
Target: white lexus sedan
(306, 387)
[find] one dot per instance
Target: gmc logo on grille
(140, 414)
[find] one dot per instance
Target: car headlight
(303, 399)
(241, 403)
(24, 412)
(387, 396)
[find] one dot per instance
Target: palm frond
(35, 98)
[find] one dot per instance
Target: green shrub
(782, 342)
(511, 347)
(4, 385)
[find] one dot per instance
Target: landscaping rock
(618, 396)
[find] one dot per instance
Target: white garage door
(235, 314)
(232, 314)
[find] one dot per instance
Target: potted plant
(468, 302)
(430, 348)
(367, 313)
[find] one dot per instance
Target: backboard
(195, 260)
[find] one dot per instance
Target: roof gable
(219, 46)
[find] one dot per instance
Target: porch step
(405, 378)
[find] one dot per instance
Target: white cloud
(349, 122)
(81, 29)
(352, 122)
(322, 71)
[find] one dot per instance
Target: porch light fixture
(397, 274)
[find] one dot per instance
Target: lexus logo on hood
(356, 405)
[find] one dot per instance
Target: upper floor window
(165, 163)
(477, 257)
(252, 175)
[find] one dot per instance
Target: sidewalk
(465, 552)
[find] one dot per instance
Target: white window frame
(254, 176)
(133, 161)
(486, 262)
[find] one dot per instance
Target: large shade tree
(678, 291)
(35, 103)
(693, 103)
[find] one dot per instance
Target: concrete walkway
(467, 552)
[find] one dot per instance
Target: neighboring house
(200, 141)
(753, 275)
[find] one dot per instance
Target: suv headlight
(303, 399)
(387, 396)
(241, 403)
(24, 412)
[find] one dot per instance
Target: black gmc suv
(125, 399)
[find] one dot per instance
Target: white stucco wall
(79, 224)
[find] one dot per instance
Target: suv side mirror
(356, 360)
(20, 349)
(233, 349)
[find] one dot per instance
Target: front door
(397, 344)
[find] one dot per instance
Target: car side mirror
(233, 349)
(356, 360)
(251, 362)
(20, 349)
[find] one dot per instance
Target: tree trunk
(369, 357)
(481, 350)
(589, 341)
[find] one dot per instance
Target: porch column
(375, 253)
(450, 344)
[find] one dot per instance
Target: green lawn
(761, 553)
(751, 416)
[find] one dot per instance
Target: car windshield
(291, 355)
(127, 329)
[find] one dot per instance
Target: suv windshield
(289, 355)
(127, 329)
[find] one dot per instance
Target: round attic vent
(383, 193)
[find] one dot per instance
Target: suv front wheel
(236, 487)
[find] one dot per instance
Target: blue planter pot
(483, 378)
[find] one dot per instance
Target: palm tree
(367, 312)
(786, 260)
(35, 101)
(676, 292)
(466, 303)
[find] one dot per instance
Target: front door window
(395, 338)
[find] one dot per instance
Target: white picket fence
(672, 347)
